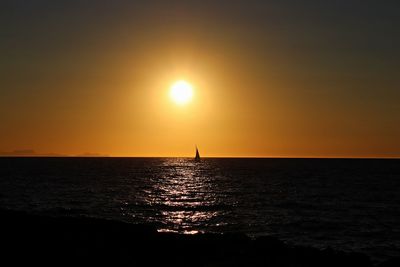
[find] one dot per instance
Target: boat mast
(197, 154)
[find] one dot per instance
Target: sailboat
(197, 158)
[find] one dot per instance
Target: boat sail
(197, 158)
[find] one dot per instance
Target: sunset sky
(270, 78)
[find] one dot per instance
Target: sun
(181, 92)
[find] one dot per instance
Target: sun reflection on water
(184, 196)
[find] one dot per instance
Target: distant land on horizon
(33, 153)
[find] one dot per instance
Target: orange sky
(270, 81)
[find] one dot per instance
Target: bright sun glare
(181, 92)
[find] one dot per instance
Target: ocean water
(345, 204)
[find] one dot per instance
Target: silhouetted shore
(32, 239)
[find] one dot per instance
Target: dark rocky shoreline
(33, 239)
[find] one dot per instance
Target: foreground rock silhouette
(66, 241)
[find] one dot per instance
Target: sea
(344, 204)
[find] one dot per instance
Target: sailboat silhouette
(197, 158)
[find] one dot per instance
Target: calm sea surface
(345, 204)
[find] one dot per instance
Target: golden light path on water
(185, 195)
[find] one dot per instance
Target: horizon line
(203, 157)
